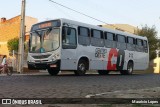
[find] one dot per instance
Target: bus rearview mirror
(68, 31)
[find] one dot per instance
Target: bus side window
(131, 40)
(83, 36)
(69, 40)
(121, 38)
(139, 45)
(97, 34)
(121, 42)
(139, 42)
(131, 44)
(97, 38)
(83, 31)
(109, 36)
(110, 40)
(145, 44)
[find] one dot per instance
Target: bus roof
(76, 23)
(101, 28)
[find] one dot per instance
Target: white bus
(62, 44)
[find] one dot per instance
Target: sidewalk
(15, 73)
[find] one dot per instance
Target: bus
(67, 45)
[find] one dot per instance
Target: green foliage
(13, 44)
(151, 34)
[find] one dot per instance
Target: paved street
(70, 86)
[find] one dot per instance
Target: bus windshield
(42, 41)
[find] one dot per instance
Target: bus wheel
(129, 70)
(103, 72)
(52, 72)
(81, 68)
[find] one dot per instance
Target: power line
(64, 12)
(82, 13)
(78, 12)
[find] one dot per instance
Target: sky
(133, 12)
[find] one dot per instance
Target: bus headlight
(30, 59)
(56, 56)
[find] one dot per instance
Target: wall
(122, 27)
(10, 29)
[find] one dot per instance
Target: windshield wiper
(48, 31)
(37, 33)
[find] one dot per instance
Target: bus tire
(129, 70)
(103, 72)
(81, 68)
(53, 72)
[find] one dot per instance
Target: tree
(151, 34)
(12, 44)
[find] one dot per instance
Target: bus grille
(41, 56)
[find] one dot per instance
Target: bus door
(69, 45)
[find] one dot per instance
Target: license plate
(53, 65)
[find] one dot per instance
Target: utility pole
(21, 38)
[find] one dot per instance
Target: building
(122, 27)
(10, 29)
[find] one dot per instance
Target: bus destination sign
(44, 25)
(47, 24)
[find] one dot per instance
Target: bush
(12, 44)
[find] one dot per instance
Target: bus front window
(35, 42)
(44, 41)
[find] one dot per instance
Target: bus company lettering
(100, 53)
(115, 65)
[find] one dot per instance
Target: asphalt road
(70, 86)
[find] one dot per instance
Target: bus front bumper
(44, 65)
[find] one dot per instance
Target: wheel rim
(82, 67)
(130, 69)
